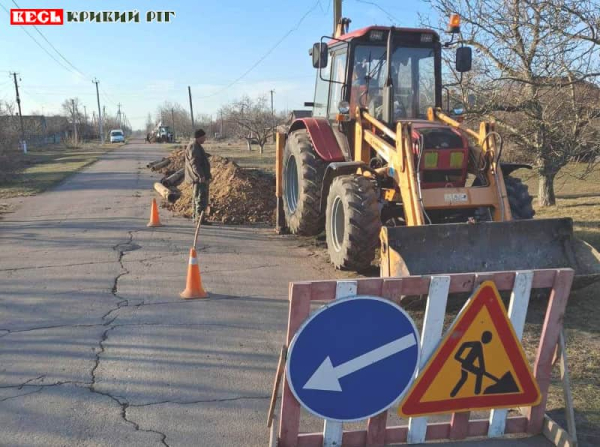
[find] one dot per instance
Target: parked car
(116, 136)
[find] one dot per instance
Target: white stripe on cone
(193, 261)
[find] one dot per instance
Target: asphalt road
(97, 348)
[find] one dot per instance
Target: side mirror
(464, 59)
(320, 55)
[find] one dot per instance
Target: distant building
(39, 130)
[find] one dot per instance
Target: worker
(197, 173)
(360, 85)
(472, 362)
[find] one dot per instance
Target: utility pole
(191, 108)
(272, 116)
(173, 122)
(23, 142)
(73, 117)
(119, 115)
(96, 81)
(221, 124)
(337, 14)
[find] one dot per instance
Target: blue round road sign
(353, 358)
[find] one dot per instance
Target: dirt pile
(237, 196)
(177, 158)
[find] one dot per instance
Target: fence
(376, 433)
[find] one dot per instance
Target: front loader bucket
(486, 247)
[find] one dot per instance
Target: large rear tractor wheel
(352, 222)
(519, 198)
(303, 172)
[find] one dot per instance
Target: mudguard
(323, 139)
(507, 168)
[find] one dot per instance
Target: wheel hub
(337, 223)
(292, 193)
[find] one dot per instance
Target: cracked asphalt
(97, 348)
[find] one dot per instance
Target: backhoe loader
(379, 164)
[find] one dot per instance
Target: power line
(273, 48)
(389, 15)
(54, 48)
(39, 44)
(107, 97)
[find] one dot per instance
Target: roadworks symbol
(478, 365)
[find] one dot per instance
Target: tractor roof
(364, 31)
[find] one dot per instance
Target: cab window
(321, 91)
(338, 81)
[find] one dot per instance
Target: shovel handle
(198, 229)
(494, 378)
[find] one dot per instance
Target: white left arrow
(326, 377)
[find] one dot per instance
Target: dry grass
(580, 200)
(42, 168)
(575, 198)
(238, 152)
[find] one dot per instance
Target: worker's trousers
(200, 198)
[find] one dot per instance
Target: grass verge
(42, 168)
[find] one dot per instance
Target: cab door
(337, 91)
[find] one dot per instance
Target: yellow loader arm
(371, 133)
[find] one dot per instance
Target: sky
(207, 45)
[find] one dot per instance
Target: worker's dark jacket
(196, 164)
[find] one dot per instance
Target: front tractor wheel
(352, 222)
(303, 172)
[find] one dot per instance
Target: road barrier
(549, 350)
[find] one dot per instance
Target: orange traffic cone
(154, 219)
(193, 287)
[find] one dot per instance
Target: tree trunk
(248, 142)
(262, 146)
(546, 190)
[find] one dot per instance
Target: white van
(117, 136)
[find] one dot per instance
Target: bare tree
(71, 108)
(536, 70)
(149, 123)
(253, 119)
(176, 116)
(9, 129)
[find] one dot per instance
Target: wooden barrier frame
(377, 433)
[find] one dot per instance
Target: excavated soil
(177, 158)
(237, 196)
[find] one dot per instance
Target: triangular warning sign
(478, 365)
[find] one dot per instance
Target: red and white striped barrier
(437, 288)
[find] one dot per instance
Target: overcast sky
(208, 45)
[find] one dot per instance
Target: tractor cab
(394, 74)
(355, 70)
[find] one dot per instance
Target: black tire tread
(519, 198)
(307, 219)
(363, 222)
